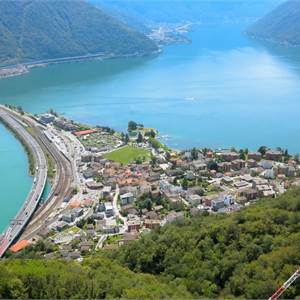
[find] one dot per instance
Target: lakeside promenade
(22, 218)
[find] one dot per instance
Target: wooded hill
(33, 30)
(281, 25)
(247, 254)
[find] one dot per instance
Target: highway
(17, 225)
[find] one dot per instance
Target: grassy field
(128, 154)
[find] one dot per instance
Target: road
(17, 226)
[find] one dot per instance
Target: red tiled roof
(19, 246)
(84, 132)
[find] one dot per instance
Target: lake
(222, 90)
(14, 179)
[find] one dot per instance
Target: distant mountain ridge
(282, 25)
(32, 30)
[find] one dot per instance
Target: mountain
(32, 30)
(282, 25)
(153, 12)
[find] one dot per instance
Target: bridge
(25, 213)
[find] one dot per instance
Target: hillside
(33, 30)
(282, 25)
(247, 254)
(94, 279)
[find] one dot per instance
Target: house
(194, 199)
(238, 164)
(109, 210)
(241, 184)
(251, 163)
(175, 202)
(274, 155)
(110, 226)
(89, 173)
(256, 156)
(249, 194)
(68, 218)
(106, 191)
(217, 204)
(127, 198)
(151, 224)
(133, 223)
(224, 167)
(229, 155)
(228, 200)
(46, 118)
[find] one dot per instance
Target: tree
(242, 154)
(139, 138)
(185, 184)
(126, 139)
(194, 154)
(262, 150)
(132, 125)
(150, 133)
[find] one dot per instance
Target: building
(110, 226)
(109, 210)
(251, 163)
(254, 156)
(68, 218)
(194, 199)
(274, 155)
(224, 167)
(228, 200)
(46, 118)
(127, 198)
(217, 204)
(238, 164)
(133, 223)
(229, 155)
(151, 224)
(249, 194)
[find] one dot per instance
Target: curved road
(32, 201)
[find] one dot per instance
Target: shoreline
(22, 141)
(272, 41)
(24, 68)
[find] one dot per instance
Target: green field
(128, 154)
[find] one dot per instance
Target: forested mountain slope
(281, 25)
(96, 278)
(36, 30)
(246, 254)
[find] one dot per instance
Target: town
(127, 184)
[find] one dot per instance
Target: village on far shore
(128, 184)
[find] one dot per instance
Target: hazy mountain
(281, 25)
(33, 30)
(149, 12)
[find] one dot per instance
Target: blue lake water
(15, 182)
(222, 90)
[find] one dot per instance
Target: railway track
(61, 189)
